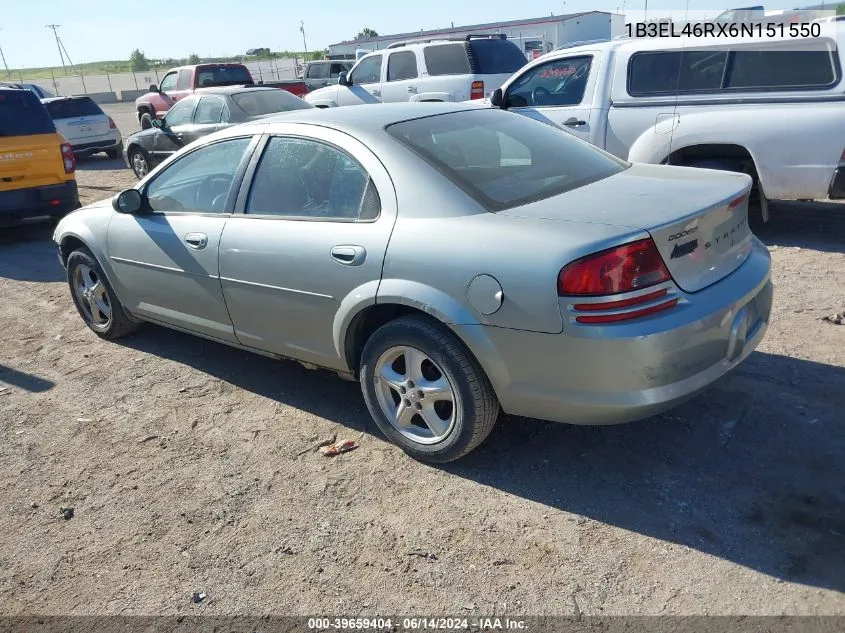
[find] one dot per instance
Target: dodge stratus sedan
(457, 261)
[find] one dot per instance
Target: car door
(173, 134)
(317, 76)
(312, 231)
(366, 82)
(401, 80)
(560, 92)
(166, 259)
(166, 92)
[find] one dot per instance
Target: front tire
(140, 162)
(425, 391)
(95, 299)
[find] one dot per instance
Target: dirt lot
(183, 461)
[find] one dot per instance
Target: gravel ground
(187, 465)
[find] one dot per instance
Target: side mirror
(153, 88)
(129, 201)
(343, 79)
(497, 99)
(159, 123)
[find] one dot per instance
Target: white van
(772, 108)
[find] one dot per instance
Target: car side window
(310, 179)
(446, 59)
(402, 65)
(180, 114)
(199, 181)
(368, 71)
(317, 71)
(168, 83)
(209, 110)
(561, 82)
(337, 69)
(184, 81)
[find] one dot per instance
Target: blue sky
(95, 30)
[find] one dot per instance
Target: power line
(58, 44)
(5, 65)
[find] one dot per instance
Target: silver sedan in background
(457, 261)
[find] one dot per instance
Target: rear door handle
(412, 89)
(376, 93)
(349, 255)
(196, 240)
(573, 122)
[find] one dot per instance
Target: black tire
(113, 154)
(145, 119)
(118, 324)
(755, 207)
(476, 405)
(137, 154)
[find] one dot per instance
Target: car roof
(366, 118)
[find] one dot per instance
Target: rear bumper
(837, 185)
(112, 143)
(624, 372)
(20, 205)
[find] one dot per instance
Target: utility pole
(5, 65)
(302, 28)
(58, 44)
(645, 14)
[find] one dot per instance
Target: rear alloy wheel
(425, 391)
(140, 163)
(94, 298)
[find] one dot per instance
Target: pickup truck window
(339, 68)
(168, 83)
(368, 71)
(317, 71)
(184, 81)
(222, 76)
(719, 70)
(561, 82)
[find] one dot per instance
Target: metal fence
(133, 82)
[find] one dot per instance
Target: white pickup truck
(772, 108)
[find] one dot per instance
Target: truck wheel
(146, 120)
(755, 200)
(425, 390)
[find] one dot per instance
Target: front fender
(323, 103)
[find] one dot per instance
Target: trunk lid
(693, 216)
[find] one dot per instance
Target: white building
(534, 36)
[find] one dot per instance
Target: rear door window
(781, 69)
(447, 59)
(73, 108)
(209, 110)
(495, 57)
(676, 72)
(402, 65)
(22, 114)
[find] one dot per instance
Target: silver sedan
(457, 261)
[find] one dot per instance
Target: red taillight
(476, 91)
(627, 316)
(614, 271)
(69, 158)
(738, 201)
(112, 126)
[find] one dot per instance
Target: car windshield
(502, 159)
(260, 102)
(72, 108)
(21, 114)
(222, 76)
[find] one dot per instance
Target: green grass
(101, 68)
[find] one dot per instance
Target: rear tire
(146, 120)
(425, 390)
(113, 154)
(755, 202)
(94, 297)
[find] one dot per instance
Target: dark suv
(325, 72)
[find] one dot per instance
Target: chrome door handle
(349, 255)
(196, 240)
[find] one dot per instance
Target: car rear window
(502, 159)
(22, 114)
(259, 102)
(447, 59)
(494, 57)
(223, 76)
(72, 108)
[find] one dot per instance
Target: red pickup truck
(181, 82)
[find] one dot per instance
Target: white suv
(432, 70)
